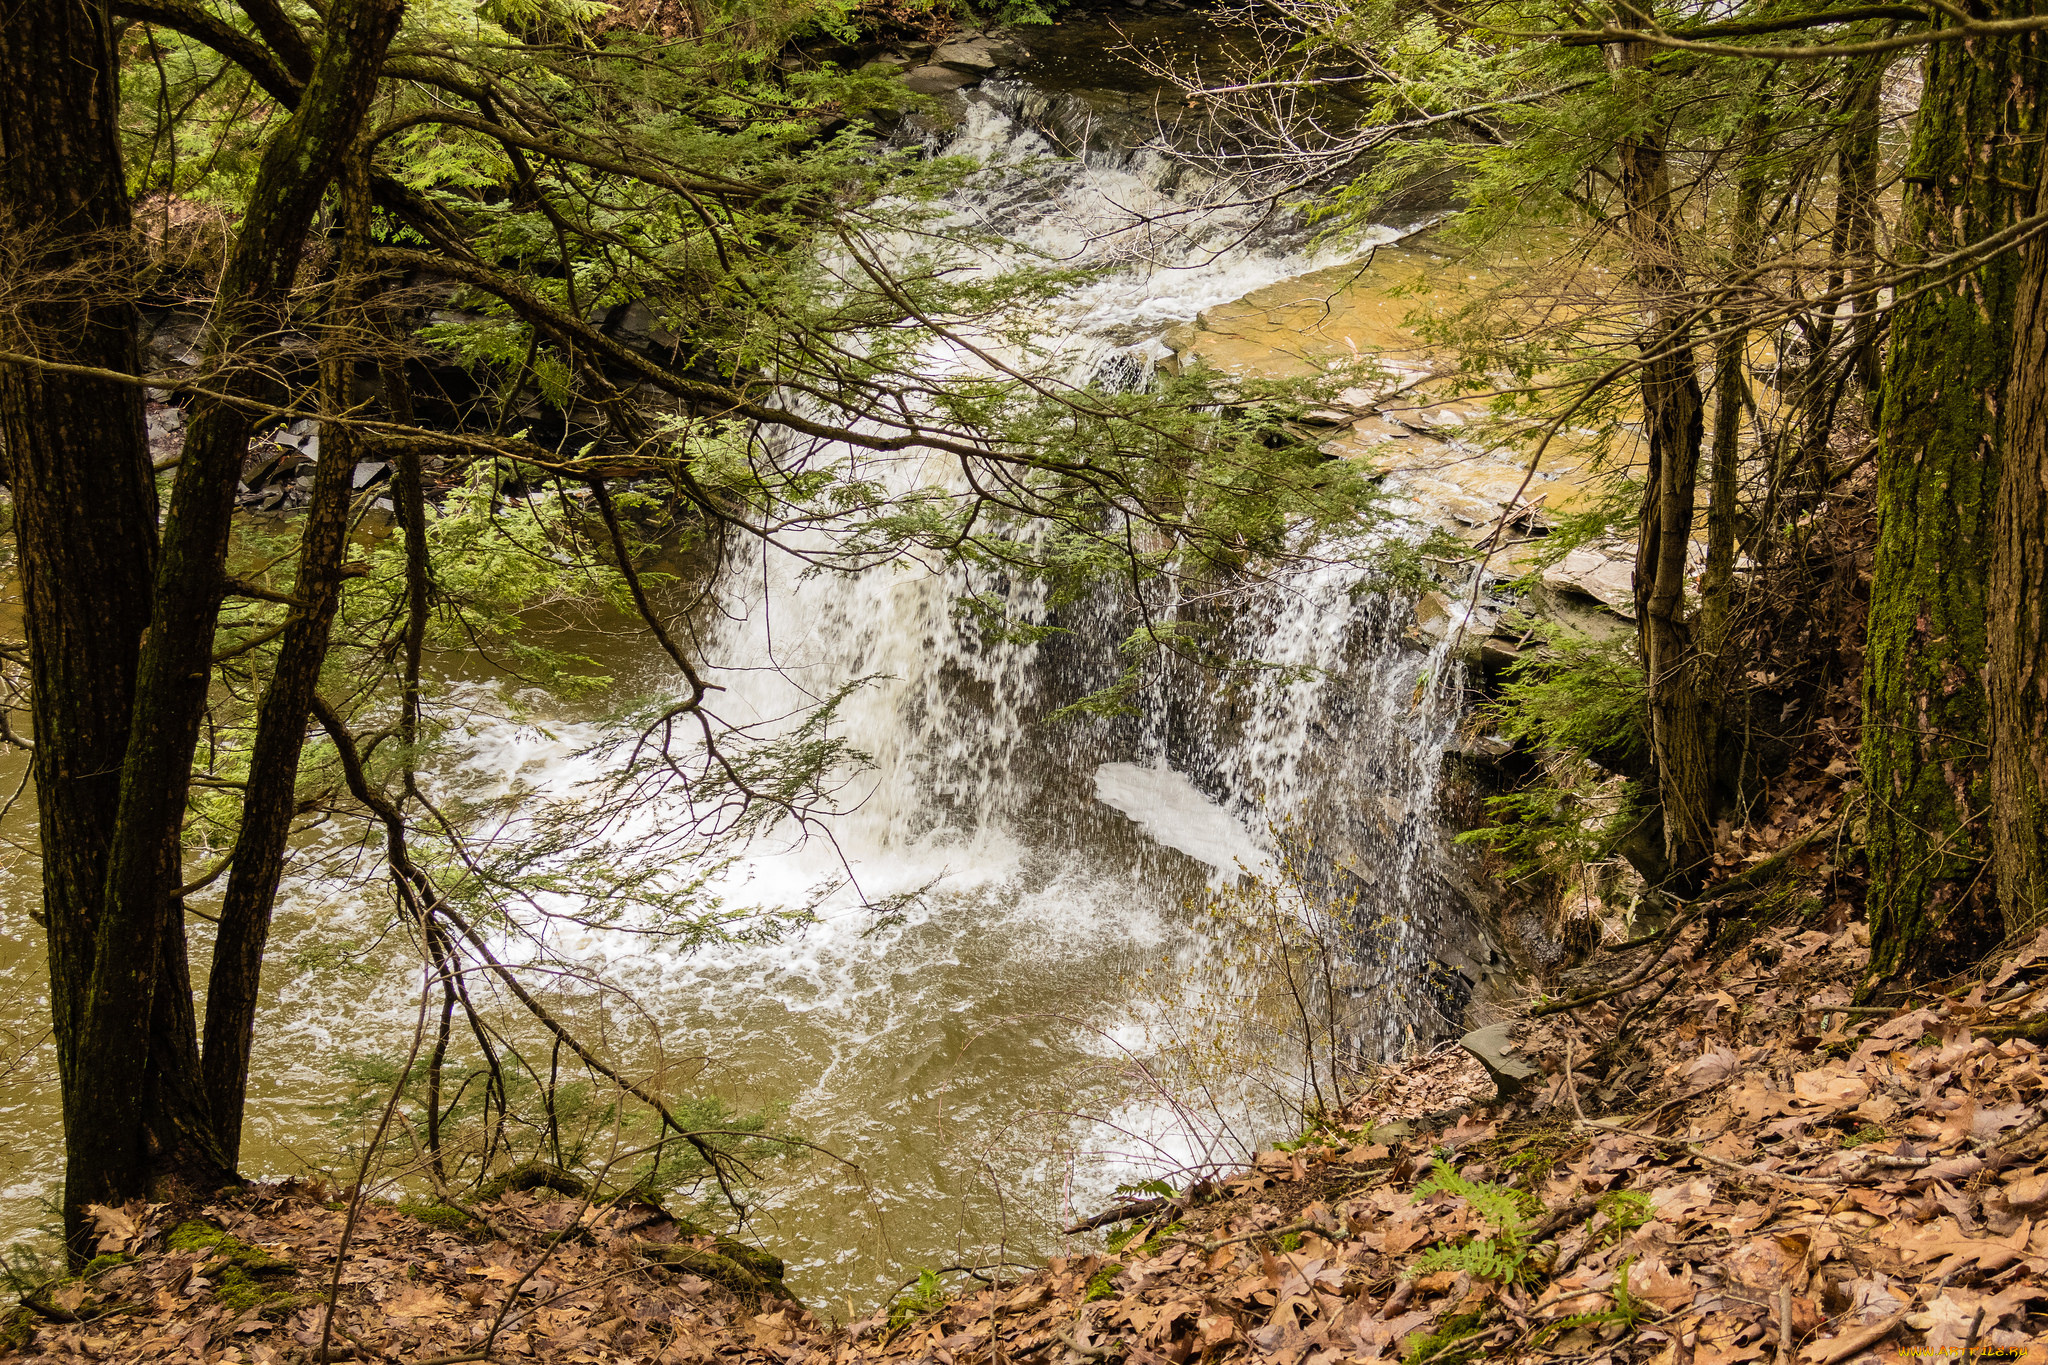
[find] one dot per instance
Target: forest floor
(1725, 1164)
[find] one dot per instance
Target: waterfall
(999, 822)
(970, 1046)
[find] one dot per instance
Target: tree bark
(282, 717)
(110, 1151)
(77, 462)
(1856, 175)
(1674, 427)
(1926, 727)
(2018, 645)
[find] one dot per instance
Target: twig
(1723, 1162)
(1970, 1342)
(357, 1196)
(1856, 1343)
(1310, 1225)
(1121, 1214)
(1571, 1088)
(1656, 967)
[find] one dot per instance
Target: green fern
(1503, 1257)
(1442, 1347)
(1626, 1311)
(1626, 1211)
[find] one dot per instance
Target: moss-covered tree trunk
(1926, 725)
(2018, 645)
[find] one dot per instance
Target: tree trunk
(77, 461)
(268, 800)
(2018, 645)
(1926, 727)
(1717, 578)
(109, 1135)
(1674, 426)
(1856, 175)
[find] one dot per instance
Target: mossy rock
(718, 1268)
(18, 1329)
(436, 1214)
(239, 1292)
(244, 1277)
(533, 1175)
(761, 1263)
(227, 1250)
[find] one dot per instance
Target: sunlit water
(964, 1055)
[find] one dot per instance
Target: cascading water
(969, 1049)
(1001, 820)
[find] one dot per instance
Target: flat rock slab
(1511, 1074)
(1607, 579)
(979, 55)
(937, 80)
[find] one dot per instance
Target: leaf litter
(1728, 1164)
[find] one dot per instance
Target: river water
(990, 1053)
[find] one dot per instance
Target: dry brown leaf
(1830, 1089)
(1656, 1284)
(417, 1301)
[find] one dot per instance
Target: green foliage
(1579, 703)
(1102, 1284)
(1627, 1311)
(1577, 694)
(1502, 1257)
(488, 1130)
(32, 1262)
(928, 1295)
(508, 573)
(1626, 1210)
(1440, 1347)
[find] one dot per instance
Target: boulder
(938, 80)
(1434, 615)
(1490, 1045)
(978, 54)
(1607, 579)
(1479, 748)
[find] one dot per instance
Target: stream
(972, 1051)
